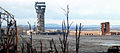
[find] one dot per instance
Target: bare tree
(51, 48)
(78, 38)
(41, 46)
(30, 35)
(56, 51)
(65, 30)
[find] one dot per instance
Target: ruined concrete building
(105, 28)
(40, 10)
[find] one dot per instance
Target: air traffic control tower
(40, 10)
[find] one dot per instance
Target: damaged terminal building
(103, 30)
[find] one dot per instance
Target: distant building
(105, 28)
(86, 33)
(40, 10)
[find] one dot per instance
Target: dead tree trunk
(51, 48)
(65, 29)
(56, 51)
(78, 38)
(0, 29)
(22, 48)
(41, 46)
(31, 37)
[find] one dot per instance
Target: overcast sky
(87, 12)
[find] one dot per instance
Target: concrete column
(107, 27)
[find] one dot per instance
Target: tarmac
(88, 43)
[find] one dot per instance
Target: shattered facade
(40, 10)
(105, 28)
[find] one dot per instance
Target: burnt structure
(8, 39)
(105, 28)
(40, 10)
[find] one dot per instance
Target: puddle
(111, 43)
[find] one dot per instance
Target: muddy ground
(87, 43)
